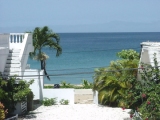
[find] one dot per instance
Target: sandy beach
(78, 112)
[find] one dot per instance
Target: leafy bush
(147, 101)
(49, 102)
(85, 85)
(12, 91)
(64, 84)
(64, 102)
(113, 82)
(121, 87)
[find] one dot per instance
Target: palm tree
(113, 82)
(44, 37)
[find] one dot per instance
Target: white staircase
(16, 48)
(13, 65)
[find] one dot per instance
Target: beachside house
(147, 53)
(14, 53)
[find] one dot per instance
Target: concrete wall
(38, 90)
(37, 86)
(95, 97)
(67, 94)
(3, 57)
(4, 40)
(4, 50)
(147, 54)
(60, 93)
(27, 47)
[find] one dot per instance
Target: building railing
(16, 40)
(16, 37)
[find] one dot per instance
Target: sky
(67, 16)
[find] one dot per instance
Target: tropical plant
(128, 54)
(113, 82)
(64, 84)
(49, 102)
(64, 102)
(44, 37)
(86, 84)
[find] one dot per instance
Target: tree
(112, 82)
(44, 37)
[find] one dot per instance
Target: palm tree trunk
(42, 67)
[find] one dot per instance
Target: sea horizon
(82, 53)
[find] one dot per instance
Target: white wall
(4, 50)
(4, 40)
(27, 47)
(67, 94)
(3, 57)
(95, 97)
(60, 93)
(37, 86)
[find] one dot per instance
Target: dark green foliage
(13, 91)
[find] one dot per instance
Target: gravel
(78, 112)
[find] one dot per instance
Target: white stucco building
(147, 53)
(14, 53)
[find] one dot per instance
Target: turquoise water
(83, 52)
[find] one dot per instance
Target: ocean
(84, 52)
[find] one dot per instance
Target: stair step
(13, 55)
(13, 61)
(11, 69)
(13, 58)
(12, 65)
(15, 51)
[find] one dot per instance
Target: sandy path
(78, 112)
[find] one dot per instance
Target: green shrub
(48, 87)
(64, 84)
(146, 93)
(85, 85)
(49, 102)
(64, 102)
(13, 90)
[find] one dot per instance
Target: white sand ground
(78, 112)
